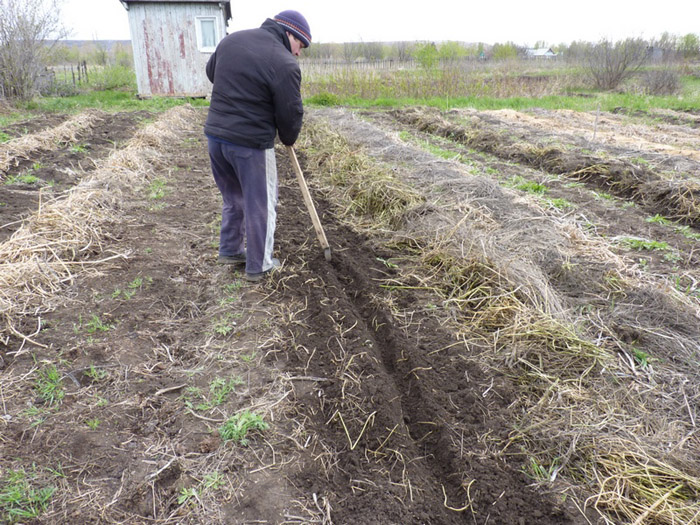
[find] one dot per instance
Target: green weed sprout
(237, 427)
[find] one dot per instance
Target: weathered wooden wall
(164, 40)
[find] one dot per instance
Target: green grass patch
(96, 374)
(486, 90)
(26, 178)
(225, 324)
(139, 283)
(682, 229)
(157, 189)
(604, 101)
(644, 244)
(520, 183)
(219, 390)
(95, 324)
(210, 482)
(21, 496)
(236, 428)
(48, 385)
(641, 357)
(560, 204)
(659, 219)
(687, 232)
(324, 99)
(108, 100)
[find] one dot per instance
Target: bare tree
(351, 50)
(610, 64)
(28, 31)
(372, 50)
(101, 52)
(403, 50)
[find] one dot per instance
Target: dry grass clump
(576, 392)
(370, 190)
(589, 410)
(41, 255)
(633, 486)
(64, 237)
(21, 147)
(679, 199)
(494, 312)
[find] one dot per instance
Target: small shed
(172, 41)
(540, 52)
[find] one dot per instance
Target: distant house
(172, 41)
(540, 52)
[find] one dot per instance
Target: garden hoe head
(310, 205)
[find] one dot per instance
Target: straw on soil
(20, 148)
(64, 236)
(579, 381)
(369, 190)
(679, 198)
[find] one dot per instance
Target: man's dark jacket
(256, 89)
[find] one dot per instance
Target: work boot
(257, 277)
(238, 260)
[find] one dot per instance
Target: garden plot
(471, 354)
(47, 155)
(633, 224)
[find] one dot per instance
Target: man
(256, 95)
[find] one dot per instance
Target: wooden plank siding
(164, 40)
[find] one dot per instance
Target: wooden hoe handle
(310, 204)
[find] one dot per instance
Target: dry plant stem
(467, 506)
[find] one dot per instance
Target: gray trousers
(247, 180)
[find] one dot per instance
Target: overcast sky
(522, 22)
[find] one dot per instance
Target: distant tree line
(94, 52)
(670, 47)
(30, 35)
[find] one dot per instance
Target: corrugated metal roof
(541, 51)
(176, 1)
(226, 3)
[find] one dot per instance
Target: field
(507, 333)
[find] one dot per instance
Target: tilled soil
(374, 414)
(60, 166)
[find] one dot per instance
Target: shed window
(207, 37)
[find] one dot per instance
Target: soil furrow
(598, 212)
(677, 199)
(444, 367)
(425, 400)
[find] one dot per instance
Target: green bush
(114, 77)
(324, 99)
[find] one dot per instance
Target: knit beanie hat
(295, 23)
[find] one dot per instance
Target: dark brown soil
(376, 416)
(430, 409)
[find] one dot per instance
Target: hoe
(310, 205)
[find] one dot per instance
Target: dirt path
(378, 406)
